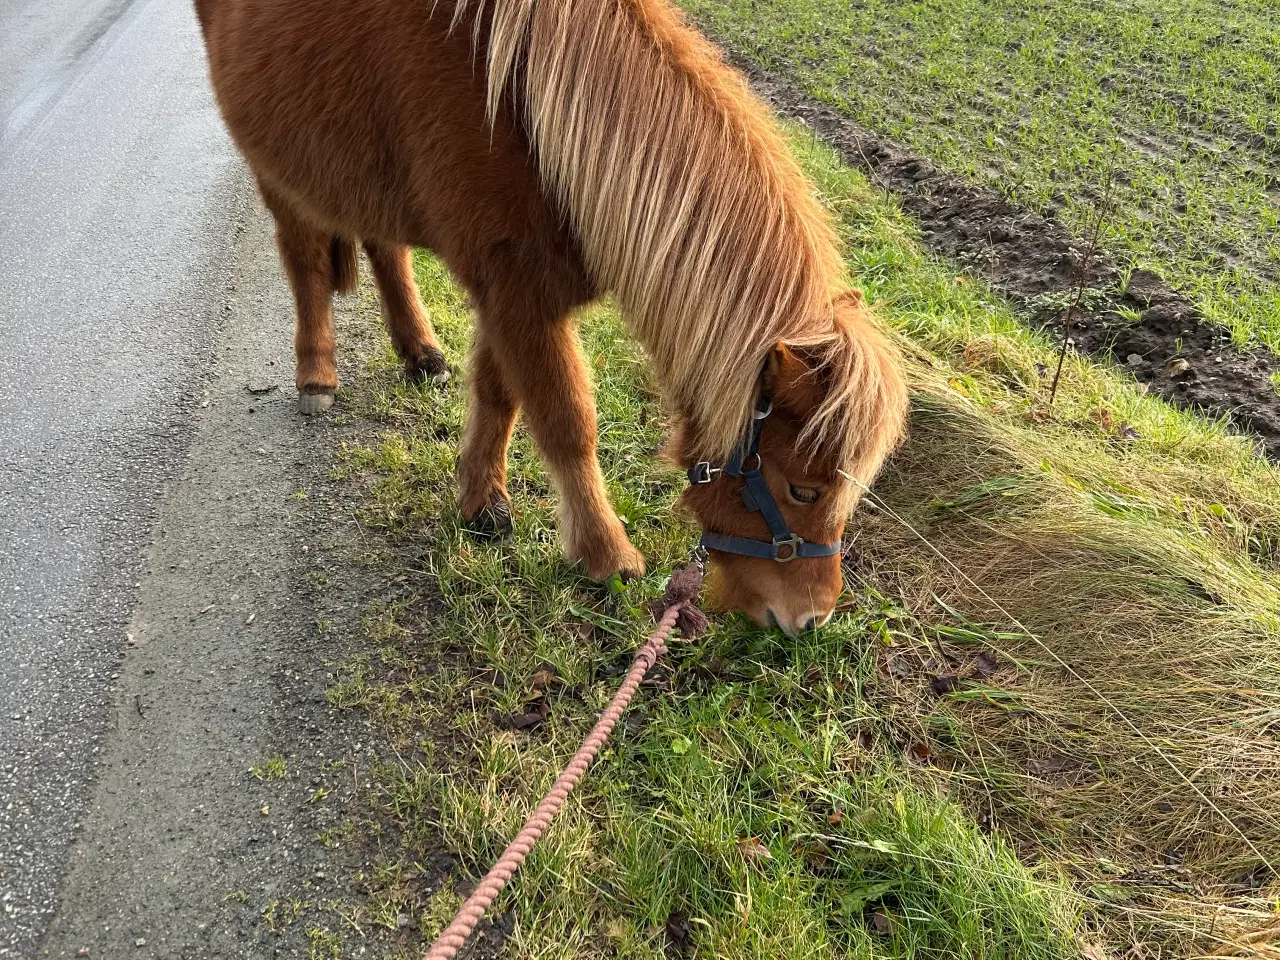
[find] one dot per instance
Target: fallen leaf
(1104, 418)
(835, 817)
(987, 666)
(1037, 415)
(677, 929)
(207, 609)
(920, 752)
(753, 850)
(543, 677)
(252, 617)
(881, 925)
(532, 718)
(82, 952)
(266, 810)
(1176, 366)
(259, 387)
(899, 669)
(1128, 433)
(944, 684)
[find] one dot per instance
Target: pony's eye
(804, 494)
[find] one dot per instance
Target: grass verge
(1040, 100)
(1057, 741)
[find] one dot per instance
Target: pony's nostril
(771, 619)
(809, 624)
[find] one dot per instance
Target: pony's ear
(792, 381)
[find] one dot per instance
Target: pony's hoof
(628, 564)
(493, 520)
(430, 367)
(626, 574)
(311, 404)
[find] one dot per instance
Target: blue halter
(745, 462)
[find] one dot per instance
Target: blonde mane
(689, 208)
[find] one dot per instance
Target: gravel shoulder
(182, 850)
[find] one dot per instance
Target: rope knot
(683, 589)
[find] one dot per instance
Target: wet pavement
(118, 189)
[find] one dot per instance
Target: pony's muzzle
(795, 624)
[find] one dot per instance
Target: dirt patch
(1035, 260)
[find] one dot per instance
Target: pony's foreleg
(307, 252)
(542, 366)
(404, 313)
(482, 465)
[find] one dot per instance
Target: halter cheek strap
(756, 495)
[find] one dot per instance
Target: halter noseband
(785, 545)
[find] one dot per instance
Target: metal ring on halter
(794, 542)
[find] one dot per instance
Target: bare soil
(1036, 261)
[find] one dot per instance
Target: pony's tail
(346, 271)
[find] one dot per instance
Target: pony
(551, 152)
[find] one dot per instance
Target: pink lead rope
(677, 609)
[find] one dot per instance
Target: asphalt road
(117, 185)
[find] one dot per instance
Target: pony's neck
(680, 189)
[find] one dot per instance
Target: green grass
(1036, 98)
(273, 768)
(1103, 772)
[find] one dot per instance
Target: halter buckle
(703, 472)
(793, 541)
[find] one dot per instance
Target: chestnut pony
(551, 151)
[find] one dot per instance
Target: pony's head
(830, 409)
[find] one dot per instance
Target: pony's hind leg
(404, 313)
(542, 367)
(309, 259)
(482, 464)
